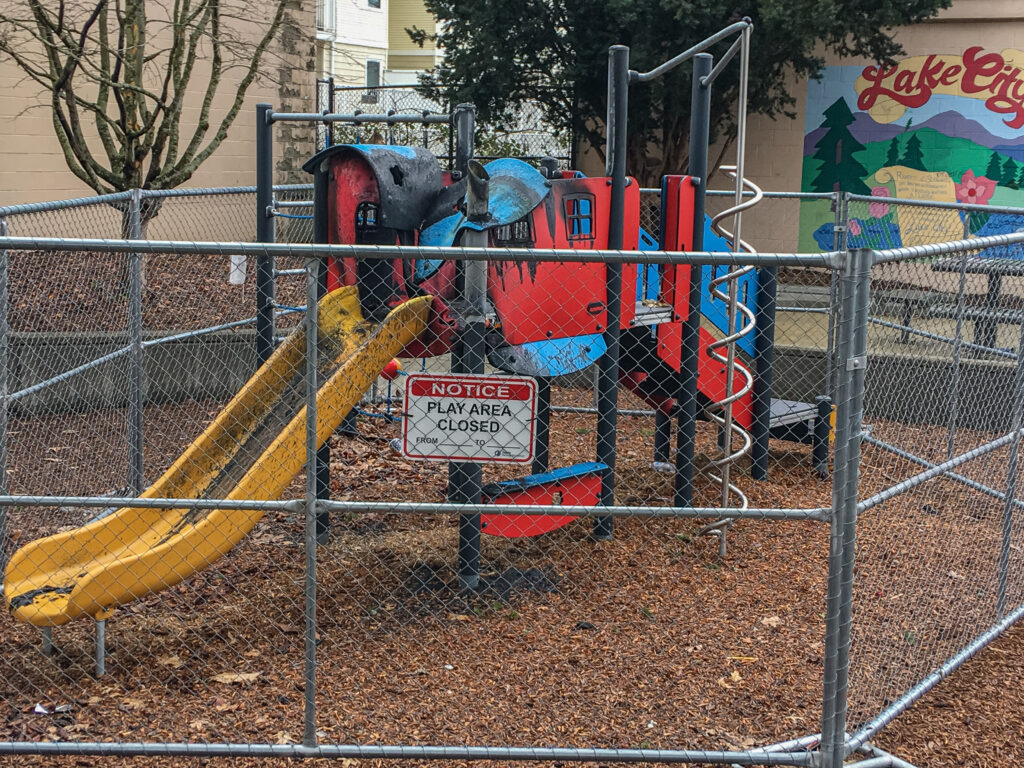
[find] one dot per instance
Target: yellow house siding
(417, 61)
(406, 14)
(350, 62)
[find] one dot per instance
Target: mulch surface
(647, 640)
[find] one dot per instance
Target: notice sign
(469, 418)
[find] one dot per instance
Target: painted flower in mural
(876, 209)
(972, 189)
(854, 227)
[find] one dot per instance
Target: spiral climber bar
(742, 323)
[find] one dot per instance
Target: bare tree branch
(121, 76)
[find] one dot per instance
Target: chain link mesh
(528, 136)
(648, 639)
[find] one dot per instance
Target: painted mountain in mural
(953, 124)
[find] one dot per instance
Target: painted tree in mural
(839, 170)
(994, 170)
(892, 155)
(1020, 179)
(912, 155)
(1008, 176)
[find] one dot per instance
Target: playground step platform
(649, 313)
(798, 422)
(786, 412)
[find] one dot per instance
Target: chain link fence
(286, 613)
(528, 137)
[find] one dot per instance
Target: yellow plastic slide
(252, 450)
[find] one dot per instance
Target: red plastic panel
(677, 235)
(537, 301)
(352, 181)
(711, 382)
(584, 491)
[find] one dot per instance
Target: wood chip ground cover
(647, 640)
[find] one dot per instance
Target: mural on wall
(941, 127)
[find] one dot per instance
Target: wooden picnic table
(986, 318)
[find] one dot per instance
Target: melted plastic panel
(575, 215)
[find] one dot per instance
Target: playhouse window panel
(579, 219)
(518, 234)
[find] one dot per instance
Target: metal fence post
(322, 466)
(608, 379)
(854, 296)
(264, 231)
(135, 383)
(5, 385)
(1011, 483)
(840, 208)
(700, 126)
(309, 737)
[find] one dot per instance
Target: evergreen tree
(995, 167)
(892, 157)
(1008, 177)
(1019, 183)
(839, 170)
(912, 157)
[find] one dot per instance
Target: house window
(579, 219)
(373, 3)
(514, 235)
(372, 73)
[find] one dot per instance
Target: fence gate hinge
(858, 363)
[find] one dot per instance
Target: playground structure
(372, 261)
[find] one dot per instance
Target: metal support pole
(464, 127)
(764, 354)
(135, 376)
(852, 353)
(1011, 483)
(47, 641)
(322, 465)
(101, 647)
(264, 232)
(700, 126)
(5, 390)
(608, 380)
(464, 119)
(465, 479)
(542, 437)
(309, 738)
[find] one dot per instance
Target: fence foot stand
(47, 641)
